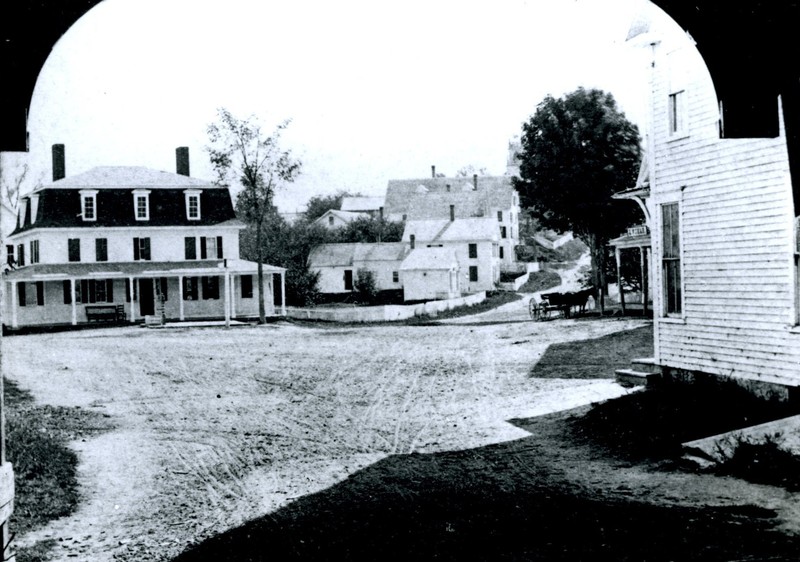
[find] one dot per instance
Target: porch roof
(628, 241)
(56, 271)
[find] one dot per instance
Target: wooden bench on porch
(105, 312)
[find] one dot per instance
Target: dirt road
(215, 427)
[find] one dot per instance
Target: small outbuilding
(430, 274)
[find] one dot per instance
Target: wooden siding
(739, 309)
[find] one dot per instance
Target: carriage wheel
(535, 310)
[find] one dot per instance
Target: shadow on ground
(596, 358)
(493, 503)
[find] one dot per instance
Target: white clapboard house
(724, 229)
(124, 243)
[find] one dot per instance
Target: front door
(146, 301)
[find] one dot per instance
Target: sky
(374, 90)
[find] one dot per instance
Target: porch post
(645, 272)
(233, 296)
(180, 298)
(132, 283)
(227, 299)
(13, 304)
(617, 253)
(74, 304)
(283, 293)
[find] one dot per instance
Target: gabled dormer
(88, 205)
(141, 204)
(192, 204)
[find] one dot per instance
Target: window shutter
(219, 247)
(190, 247)
(109, 290)
(127, 290)
(203, 247)
(21, 295)
(135, 249)
(92, 292)
(67, 292)
(40, 293)
(146, 249)
(164, 289)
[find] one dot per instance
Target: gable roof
(430, 259)
(333, 255)
(344, 216)
(361, 203)
(430, 199)
(131, 177)
(476, 229)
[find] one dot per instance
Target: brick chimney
(182, 160)
(474, 182)
(452, 213)
(59, 164)
(433, 171)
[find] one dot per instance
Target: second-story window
(500, 216)
(190, 247)
(74, 249)
(677, 113)
(101, 249)
(141, 249)
(211, 247)
(141, 204)
(34, 251)
(502, 232)
(20, 254)
(473, 251)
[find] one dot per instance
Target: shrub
(365, 286)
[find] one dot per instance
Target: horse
(579, 298)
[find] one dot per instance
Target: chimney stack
(475, 182)
(59, 165)
(412, 240)
(433, 171)
(182, 160)
(452, 213)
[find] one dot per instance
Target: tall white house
(146, 242)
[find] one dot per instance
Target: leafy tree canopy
(318, 205)
(576, 152)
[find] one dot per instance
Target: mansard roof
(59, 203)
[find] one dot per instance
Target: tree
(365, 285)
(469, 171)
(369, 230)
(576, 152)
(241, 154)
(318, 205)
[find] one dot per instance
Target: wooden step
(645, 364)
(633, 377)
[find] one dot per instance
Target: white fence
(385, 313)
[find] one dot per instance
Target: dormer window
(88, 205)
(192, 204)
(141, 204)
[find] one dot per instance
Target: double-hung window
(141, 249)
(246, 282)
(677, 113)
(34, 251)
(473, 251)
(101, 249)
(211, 247)
(210, 287)
(74, 249)
(88, 204)
(141, 204)
(192, 204)
(671, 259)
(190, 288)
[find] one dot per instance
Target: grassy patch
(44, 466)
(763, 462)
(492, 301)
(596, 358)
(540, 281)
(653, 424)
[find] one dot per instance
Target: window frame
(141, 249)
(210, 285)
(101, 249)
(88, 195)
(246, 288)
(677, 122)
(472, 251)
(672, 279)
(34, 257)
(143, 194)
(191, 196)
(73, 250)
(473, 274)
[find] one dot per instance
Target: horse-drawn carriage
(562, 303)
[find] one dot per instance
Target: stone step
(645, 364)
(632, 377)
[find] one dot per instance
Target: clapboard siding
(737, 231)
